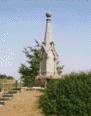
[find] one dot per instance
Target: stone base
(40, 79)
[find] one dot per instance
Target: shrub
(69, 96)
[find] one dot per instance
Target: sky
(23, 21)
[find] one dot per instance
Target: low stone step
(8, 95)
(17, 89)
(12, 92)
(2, 103)
(4, 99)
(8, 98)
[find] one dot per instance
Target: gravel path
(23, 104)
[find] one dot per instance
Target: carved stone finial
(48, 14)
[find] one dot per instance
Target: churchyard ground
(25, 103)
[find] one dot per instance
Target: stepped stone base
(7, 96)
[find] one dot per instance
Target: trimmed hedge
(69, 96)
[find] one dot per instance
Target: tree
(30, 71)
(4, 76)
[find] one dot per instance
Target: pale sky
(23, 21)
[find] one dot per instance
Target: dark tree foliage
(69, 96)
(3, 76)
(30, 71)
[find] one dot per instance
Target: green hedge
(69, 96)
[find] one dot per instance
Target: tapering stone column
(48, 31)
(49, 56)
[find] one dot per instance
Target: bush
(69, 96)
